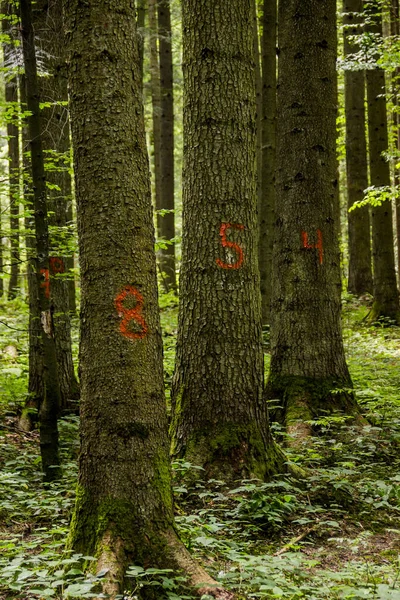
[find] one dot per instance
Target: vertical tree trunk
(47, 18)
(308, 368)
(167, 223)
(156, 107)
(124, 510)
(395, 32)
(141, 18)
(219, 417)
(267, 208)
(35, 395)
(51, 402)
(258, 79)
(360, 262)
(386, 298)
(11, 98)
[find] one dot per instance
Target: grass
(336, 534)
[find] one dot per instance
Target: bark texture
(267, 207)
(360, 260)
(386, 298)
(156, 109)
(11, 98)
(308, 372)
(395, 31)
(167, 222)
(47, 19)
(124, 512)
(50, 405)
(219, 417)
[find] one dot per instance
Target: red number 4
(318, 246)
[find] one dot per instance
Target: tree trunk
(167, 222)
(141, 19)
(386, 298)
(47, 18)
(156, 108)
(267, 208)
(395, 31)
(360, 262)
(11, 98)
(219, 417)
(308, 370)
(29, 415)
(124, 510)
(258, 79)
(51, 401)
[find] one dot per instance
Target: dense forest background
(233, 170)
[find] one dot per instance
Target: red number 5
(131, 314)
(226, 244)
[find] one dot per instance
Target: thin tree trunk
(51, 402)
(29, 415)
(308, 370)
(47, 18)
(219, 417)
(360, 261)
(11, 98)
(267, 208)
(258, 79)
(141, 19)
(124, 510)
(156, 108)
(167, 223)
(386, 298)
(395, 32)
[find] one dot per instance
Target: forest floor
(335, 534)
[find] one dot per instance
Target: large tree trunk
(167, 222)
(267, 207)
(360, 262)
(51, 398)
(386, 298)
(11, 98)
(47, 16)
(219, 417)
(308, 368)
(124, 510)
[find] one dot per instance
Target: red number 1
(318, 245)
(226, 244)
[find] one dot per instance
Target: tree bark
(395, 31)
(386, 298)
(141, 19)
(308, 370)
(51, 401)
(258, 79)
(360, 261)
(167, 222)
(124, 510)
(267, 207)
(47, 20)
(219, 418)
(11, 98)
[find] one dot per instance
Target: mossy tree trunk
(219, 418)
(386, 297)
(167, 222)
(308, 372)
(50, 404)
(47, 19)
(11, 98)
(124, 509)
(267, 207)
(360, 261)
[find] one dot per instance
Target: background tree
(360, 261)
(267, 208)
(308, 370)
(156, 112)
(11, 98)
(219, 417)
(50, 404)
(386, 298)
(167, 222)
(124, 510)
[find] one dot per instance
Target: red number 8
(131, 314)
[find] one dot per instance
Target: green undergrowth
(334, 533)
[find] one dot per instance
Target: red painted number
(56, 264)
(318, 245)
(46, 282)
(131, 314)
(227, 244)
